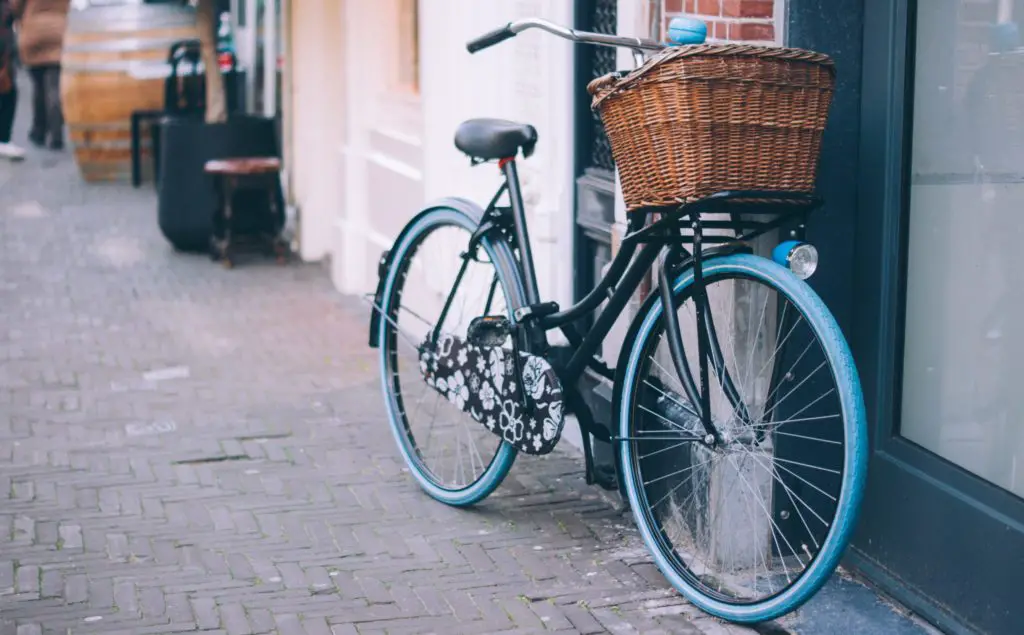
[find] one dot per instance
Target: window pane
(963, 378)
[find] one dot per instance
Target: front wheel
(454, 459)
(750, 528)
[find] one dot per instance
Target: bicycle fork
(708, 348)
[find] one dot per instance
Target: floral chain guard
(482, 382)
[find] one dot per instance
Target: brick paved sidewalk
(187, 448)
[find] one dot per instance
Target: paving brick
(52, 583)
(70, 536)
(582, 620)
(262, 621)
(316, 626)
(27, 579)
(124, 597)
(76, 588)
(6, 577)
(152, 602)
(290, 624)
(240, 567)
(234, 619)
(46, 533)
(176, 606)
(205, 610)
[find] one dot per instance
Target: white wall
(382, 155)
(527, 79)
(315, 117)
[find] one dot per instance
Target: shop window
(409, 46)
(964, 349)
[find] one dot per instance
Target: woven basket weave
(708, 118)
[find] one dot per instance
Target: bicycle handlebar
(638, 45)
(490, 39)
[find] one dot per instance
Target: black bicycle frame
(629, 267)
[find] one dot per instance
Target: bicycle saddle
(490, 139)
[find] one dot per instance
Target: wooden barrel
(114, 63)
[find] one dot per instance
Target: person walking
(8, 84)
(41, 26)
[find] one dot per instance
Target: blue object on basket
(686, 31)
(1005, 37)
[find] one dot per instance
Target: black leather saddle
(490, 139)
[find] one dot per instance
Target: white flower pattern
(511, 422)
(497, 370)
(487, 396)
(533, 377)
(551, 428)
(458, 393)
(556, 411)
(482, 382)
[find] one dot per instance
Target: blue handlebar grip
(683, 31)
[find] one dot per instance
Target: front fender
(461, 205)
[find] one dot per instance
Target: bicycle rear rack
(739, 205)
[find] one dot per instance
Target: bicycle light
(799, 257)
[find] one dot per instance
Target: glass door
(940, 298)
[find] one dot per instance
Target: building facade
(921, 169)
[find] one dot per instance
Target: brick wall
(753, 21)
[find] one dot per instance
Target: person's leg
(54, 113)
(206, 23)
(37, 134)
(8, 105)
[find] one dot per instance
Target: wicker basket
(707, 118)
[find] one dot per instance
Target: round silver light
(803, 260)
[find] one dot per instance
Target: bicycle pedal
(489, 330)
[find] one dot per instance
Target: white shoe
(11, 151)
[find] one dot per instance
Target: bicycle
(492, 372)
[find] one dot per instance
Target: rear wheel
(751, 528)
(455, 459)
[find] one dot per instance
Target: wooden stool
(232, 175)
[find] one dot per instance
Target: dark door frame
(594, 206)
(594, 210)
(941, 540)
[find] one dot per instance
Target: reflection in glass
(963, 372)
